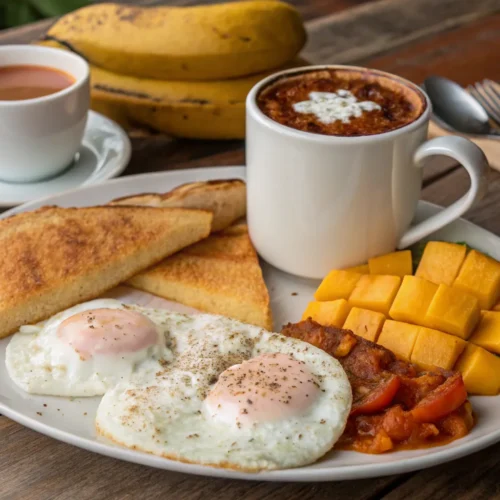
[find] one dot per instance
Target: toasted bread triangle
(54, 258)
(220, 275)
(225, 198)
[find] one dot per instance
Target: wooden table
(459, 39)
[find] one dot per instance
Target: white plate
(104, 154)
(72, 421)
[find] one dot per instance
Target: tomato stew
(395, 405)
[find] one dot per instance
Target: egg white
(39, 363)
(165, 414)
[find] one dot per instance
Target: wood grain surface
(376, 27)
(414, 38)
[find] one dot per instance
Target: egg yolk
(107, 332)
(266, 388)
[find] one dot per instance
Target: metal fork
(487, 93)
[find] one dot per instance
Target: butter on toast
(54, 258)
(225, 198)
(219, 275)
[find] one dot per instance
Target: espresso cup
(320, 202)
(39, 137)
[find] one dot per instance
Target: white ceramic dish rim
(317, 473)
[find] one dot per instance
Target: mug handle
(469, 156)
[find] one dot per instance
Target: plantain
(211, 42)
(198, 110)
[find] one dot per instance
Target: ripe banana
(184, 43)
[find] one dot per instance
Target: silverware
(455, 107)
(487, 93)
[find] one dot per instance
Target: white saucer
(104, 154)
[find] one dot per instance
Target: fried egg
(87, 349)
(234, 396)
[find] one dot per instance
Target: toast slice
(54, 258)
(219, 275)
(225, 198)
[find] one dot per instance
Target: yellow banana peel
(208, 42)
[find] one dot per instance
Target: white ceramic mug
(40, 137)
(319, 202)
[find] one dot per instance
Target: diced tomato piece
(398, 424)
(413, 390)
(380, 443)
(454, 425)
(379, 398)
(441, 401)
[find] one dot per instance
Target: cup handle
(469, 156)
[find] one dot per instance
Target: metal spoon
(455, 107)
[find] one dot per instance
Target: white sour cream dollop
(329, 107)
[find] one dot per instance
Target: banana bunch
(184, 71)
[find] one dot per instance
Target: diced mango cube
(496, 307)
(413, 299)
(480, 276)
(330, 313)
(487, 334)
(441, 262)
(362, 269)
(480, 370)
(399, 338)
(365, 323)
(434, 348)
(375, 292)
(337, 284)
(394, 264)
(453, 311)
